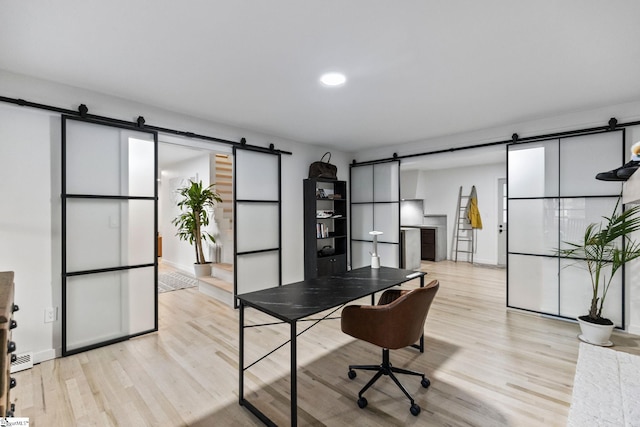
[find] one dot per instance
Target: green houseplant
(606, 247)
(196, 200)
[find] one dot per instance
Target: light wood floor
(489, 367)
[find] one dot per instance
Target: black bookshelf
(325, 226)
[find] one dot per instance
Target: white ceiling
(416, 69)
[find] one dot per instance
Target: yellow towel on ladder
(473, 213)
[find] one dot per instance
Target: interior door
(257, 220)
(375, 206)
(502, 222)
(109, 227)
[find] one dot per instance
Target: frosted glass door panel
(533, 169)
(103, 233)
(533, 283)
(533, 227)
(139, 234)
(257, 271)
(362, 184)
(258, 222)
(142, 175)
(142, 293)
(582, 157)
(360, 254)
(361, 221)
(377, 189)
(109, 234)
(575, 292)
(258, 226)
(386, 217)
(94, 309)
(107, 306)
(103, 151)
(553, 196)
(259, 179)
(389, 255)
(576, 214)
(386, 177)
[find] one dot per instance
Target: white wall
(439, 189)
(294, 169)
(30, 194)
(30, 222)
(578, 120)
(409, 183)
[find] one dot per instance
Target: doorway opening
(435, 180)
(179, 161)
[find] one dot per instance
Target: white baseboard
(635, 330)
(44, 355)
(185, 269)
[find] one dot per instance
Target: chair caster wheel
(425, 382)
(362, 403)
(352, 374)
(415, 409)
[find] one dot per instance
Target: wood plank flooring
(489, 366)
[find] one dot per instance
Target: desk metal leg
(294, 376)
(241, 357)
(421, 348)
(421, 345)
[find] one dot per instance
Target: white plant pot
(202, 270)
(595, 334)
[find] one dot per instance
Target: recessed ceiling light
(333, 79)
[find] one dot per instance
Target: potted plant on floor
(606, 247)
(196, 201)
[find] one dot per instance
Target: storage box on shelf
(7, 308)
(325, 227)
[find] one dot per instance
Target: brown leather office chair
(397, 321)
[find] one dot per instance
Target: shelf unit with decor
(325, 227)
(7, 324)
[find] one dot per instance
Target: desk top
(301, 299)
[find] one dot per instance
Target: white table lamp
(375, 259)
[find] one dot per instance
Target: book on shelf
(322, 231)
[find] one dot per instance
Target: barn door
(257, 223)
(375, 205)
(109, 211)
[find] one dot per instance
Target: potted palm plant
(606, 247)
(196, 201)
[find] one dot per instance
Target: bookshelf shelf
(325, 224)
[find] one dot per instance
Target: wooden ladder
(462, 231)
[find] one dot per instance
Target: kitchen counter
(433, 241)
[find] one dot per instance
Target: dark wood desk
(296, 301)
